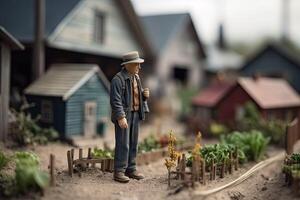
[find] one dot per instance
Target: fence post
(52, 170)
(70, 163)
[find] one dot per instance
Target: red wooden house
(223, 102)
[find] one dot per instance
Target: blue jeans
(126, 144)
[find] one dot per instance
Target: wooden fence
(200, 171)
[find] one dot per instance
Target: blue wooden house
(72, 98)
(277, 61)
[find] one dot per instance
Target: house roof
(270, 93)
(62, 80)
(160, 28)
(222, 59)
(18, 17)
(279, 48)
(212, 95)
(9, 40)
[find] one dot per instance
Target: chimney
(256, 76)
(38, 67)
(221, 39)
(285, 20)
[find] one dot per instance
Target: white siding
(78, 30)
(183, 50)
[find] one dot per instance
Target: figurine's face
(133, 68)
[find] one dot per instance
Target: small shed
(7, 44)
(71, 98)
(274, 97)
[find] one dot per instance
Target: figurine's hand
(146, 93)
(123, 123)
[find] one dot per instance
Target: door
(90, 111)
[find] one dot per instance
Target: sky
(245, 21)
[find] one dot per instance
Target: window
(46, 111)
(99, 31)
(180, 73)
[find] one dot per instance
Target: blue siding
(58, 112)
(92, 90)
(270, 63)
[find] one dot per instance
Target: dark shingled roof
(159, 28)
(17, 16)
(9, 40)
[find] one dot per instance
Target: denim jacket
(121, 96)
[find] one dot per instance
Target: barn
(224, 102)
(71, 98)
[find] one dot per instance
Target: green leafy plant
(251, 119)
(27, 131)
(217, 129)
(148, 144)
(28, 175)
(253, 143)
(7, 185)
(218, 153)
(3, 160)
(295, 158)
(100, 153)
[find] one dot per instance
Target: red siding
(238, 97)
(227, 107)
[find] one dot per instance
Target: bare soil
(267, 183)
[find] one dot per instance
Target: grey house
(72, 98)
(75, 31)
(179, 51)
(275, 60)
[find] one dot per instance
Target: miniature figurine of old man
(128, 102)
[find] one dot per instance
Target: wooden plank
(80, 157)
(70, 167)
(183, 166)
(222, 174)
(4, 90)
(72, 154)
(203, 172)
(52, 170)
(212, 170)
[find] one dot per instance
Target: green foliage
(28, 175)
(218, 153)
(185, 96)
(148, 144)
(7, 185)
(295, 158)
(3, 160)
(217, 129)
(100, 153)
(275, 128)
(27, 130)
(253, 144)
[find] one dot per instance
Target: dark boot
(135, 175)
(120, 177)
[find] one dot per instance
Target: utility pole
(38, 67)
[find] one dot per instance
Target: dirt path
(93, 184)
